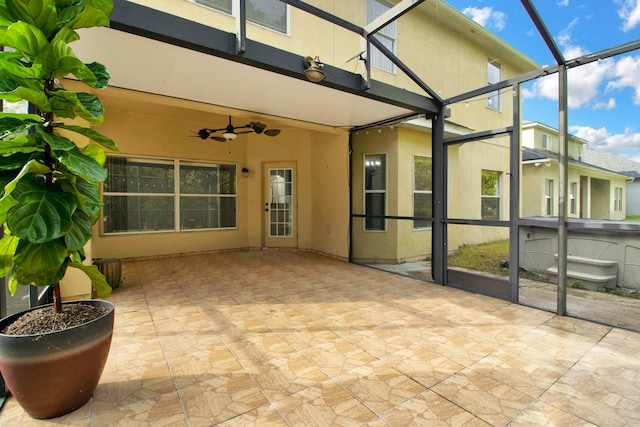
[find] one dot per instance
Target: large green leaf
(23, 144)
(25, 38)
(87, 194)
(66, 35)
(13, 123)
(57, 141)
(8, 246)
(40, 264)
(95, 14)
(77, 104)
(81, 164)
(101, 73)
(41, 13)
(98, 280)
(13, 91)
(43, 212)
(106, 6)
(80, 231)
(60, 61)
(31, 167)
(11, 64)
(5, 17)
(94, 135)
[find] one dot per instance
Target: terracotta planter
(55, 373)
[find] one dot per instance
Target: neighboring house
(593, 192)
(624, 166)
(337, 156)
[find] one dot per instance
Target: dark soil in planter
(44, 320)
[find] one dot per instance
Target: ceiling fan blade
(272, 132)
(244, 131)
(219, 138)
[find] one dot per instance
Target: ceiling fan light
(230, 136)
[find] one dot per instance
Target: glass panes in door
(281, 202)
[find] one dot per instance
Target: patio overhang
(150, 51)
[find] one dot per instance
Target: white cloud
(627, 74)
(609, 105)
(487, 17)
(625, 144)
(630, 13)
(584, 85)
(563, 2)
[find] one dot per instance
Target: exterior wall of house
(151, 126)
(466, 163)
(413, 244)
(375, 246)
(442, 53)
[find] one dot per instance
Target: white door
(280, 228)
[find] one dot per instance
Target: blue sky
(604, 97)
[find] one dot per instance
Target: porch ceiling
(155, 67)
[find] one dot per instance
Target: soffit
(155, 67)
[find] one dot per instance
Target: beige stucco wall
(152, 126)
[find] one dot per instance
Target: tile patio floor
(292, 338)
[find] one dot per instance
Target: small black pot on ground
(55, 373)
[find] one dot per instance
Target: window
(617, 203)
(386, 35)
(494, 75)
(268, 13)
(548, 196)
(375, 191)
(546, 143)
(490, 198)
(573, 202)
(143, 195)
(422, 188)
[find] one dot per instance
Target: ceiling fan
(230, 132)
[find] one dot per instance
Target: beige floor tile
(218, 398)
(542, 414)
(326, 404)
(429, 409)
(379, 386)
(482, 396)
(265, 416)
(526, 373)
(598, 399)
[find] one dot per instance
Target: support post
(563, 174)
(514, 202)
(439, 202)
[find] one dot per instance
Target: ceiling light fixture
(313, 70)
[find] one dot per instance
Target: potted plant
(50, 200)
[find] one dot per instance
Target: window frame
(497, 196)
(367, 191)
(549, 190)
(617, 202)
(573, 201)
(177, 194)
(234, 13)
(419, 192)
(494, 100)
(388, 35)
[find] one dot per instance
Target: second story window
(386, 35)
(494, 75)
(268, 13)
(546, 142)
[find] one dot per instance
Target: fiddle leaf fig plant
(50, 198)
